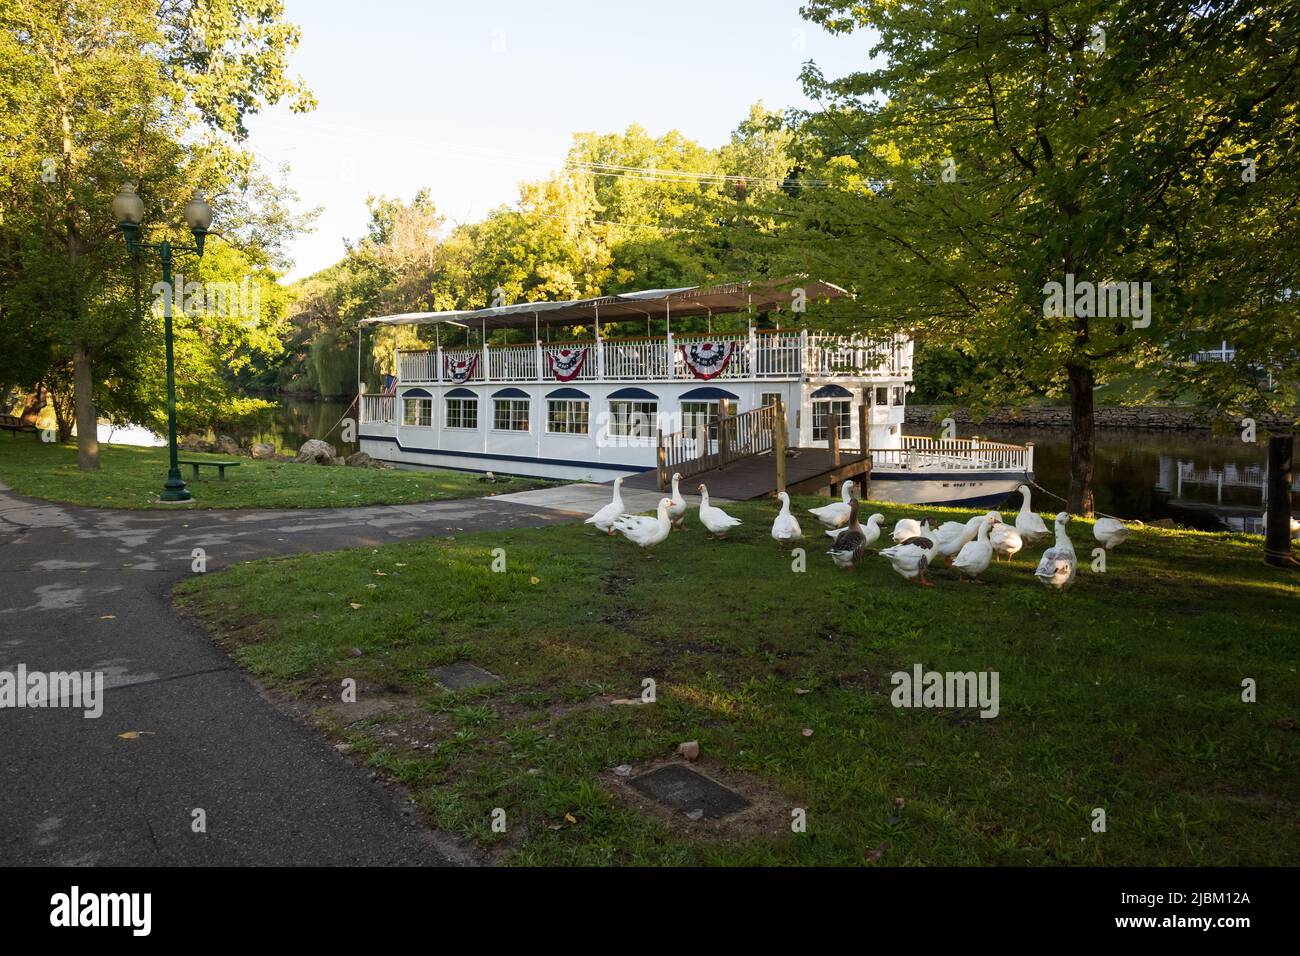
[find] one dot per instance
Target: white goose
(1295, 526)
(974, 557)
(1057, 568)
(717, 521)
(835, 515)
(677, 513)
(1030, 525)
(1110, 532)
(604, 518)
(913, 556)
(785, 528)
(870, 530)
(643, 531)
(1005, 539)
(952, 536)
(906, 528)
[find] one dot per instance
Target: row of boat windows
(627, 419)
(566, 416)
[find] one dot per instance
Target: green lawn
(131, 477)
(1122, 693)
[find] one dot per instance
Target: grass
(1122, 693)
(132, 477)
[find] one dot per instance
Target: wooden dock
(808, 471)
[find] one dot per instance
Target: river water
(1191, 477)
(1194, 478)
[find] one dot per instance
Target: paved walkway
(85, 589)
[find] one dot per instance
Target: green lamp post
(128, 207)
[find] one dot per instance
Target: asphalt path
(85, 589)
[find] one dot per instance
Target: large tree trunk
(1277, 536)
(1081, 433)
(87, 423)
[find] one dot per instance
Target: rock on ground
(195, 443)
(315, 450)
(359, 459)
(262, 450)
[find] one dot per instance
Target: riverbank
(132, 476)
(1126, 417)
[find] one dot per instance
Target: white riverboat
(572, 403)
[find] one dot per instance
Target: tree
(1088, 143)
(114, 90)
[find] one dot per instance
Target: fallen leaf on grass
(807, 732)
(875, 855)
(354, 606)
(570, 818)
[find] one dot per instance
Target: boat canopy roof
(650, 303)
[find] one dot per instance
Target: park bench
(221, 466)
(11, 423)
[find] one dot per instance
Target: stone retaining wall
(1158, 418)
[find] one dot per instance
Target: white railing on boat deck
(418, 367)
(778, 355)
(379, 409)
(845, 355)
(633, 360)
(757, 355)
(954, 454)
(512, 364)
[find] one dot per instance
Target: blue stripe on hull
(488, 457)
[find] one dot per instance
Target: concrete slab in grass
(463, 676)
(678, 787)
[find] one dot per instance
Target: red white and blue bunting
(566, 364)
(708, 359)
(461, 370)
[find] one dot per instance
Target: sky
(469, 98)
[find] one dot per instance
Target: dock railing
(692, 451)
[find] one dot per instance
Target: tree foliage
(995, 149)
(99, 92)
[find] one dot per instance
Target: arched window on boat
(568, 412)
(462, 408)
(417, 408)
(832, 406)
(704, 406)
(510, 411)
(633, 413)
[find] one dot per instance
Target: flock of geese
(969, 547)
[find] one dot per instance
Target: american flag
(390, 384)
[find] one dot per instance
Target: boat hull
(945, 488)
